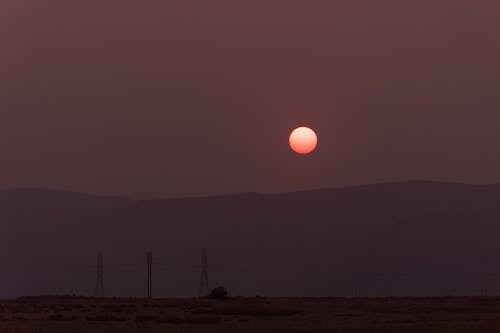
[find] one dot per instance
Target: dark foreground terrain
(251, 315)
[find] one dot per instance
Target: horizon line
(245, 193)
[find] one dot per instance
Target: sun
(303, 140)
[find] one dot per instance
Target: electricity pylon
(150, 279)
(204, 288)
(99, 286)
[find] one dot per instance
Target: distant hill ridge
(408, 238)
(401, 185)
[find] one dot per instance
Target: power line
(63, 268)
(244, 269)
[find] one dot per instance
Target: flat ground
(274, 315)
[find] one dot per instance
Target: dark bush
(147, 318)
(201, 320)
(171, 320)
(218, 293)
(105, 318)
(59, 317)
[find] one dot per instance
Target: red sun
(303, 140)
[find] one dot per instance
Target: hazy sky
(174, 98)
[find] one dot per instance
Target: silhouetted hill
(412, 238)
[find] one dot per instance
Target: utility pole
(204, 289)
(150, 286)
(99, 286)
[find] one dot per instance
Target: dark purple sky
(174, 98)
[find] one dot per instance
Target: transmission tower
(150, 285)
(99, 286)
(204, 288)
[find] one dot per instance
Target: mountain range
(414, 238)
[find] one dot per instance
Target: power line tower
(204, 288)
(150, 280)
(99, 286)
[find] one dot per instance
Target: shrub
(218, 293)
(105, 318)
(59, 317)
(171, 320)
(147, 318)
(201, 320)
